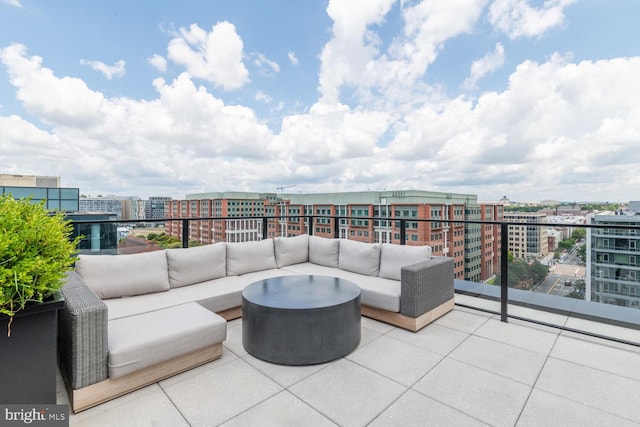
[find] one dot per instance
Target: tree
(579, 289)
(522, 274)
(579, 233)
(518, 273)
(566, 244)
(582, 252)
(538, 272)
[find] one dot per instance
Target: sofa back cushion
(197, 264)
(247, 257)
(394, 257)
(324, 251)
(359, 257)
(113, 276)
(291, 250)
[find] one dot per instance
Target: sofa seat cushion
(394, 257)
(291, 250)
(216, 295)
(113, 276)
(247, 257)
(375, 292)
(197, 264)
(359, 257)
(324, 251)
(144, 340)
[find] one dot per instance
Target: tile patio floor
(465, 369)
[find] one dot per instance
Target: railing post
(336, 228)
(264, 227)
(310, 224)
(403, 232)
(504, 270)
(185, 233)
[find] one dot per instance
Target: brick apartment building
(371, 216)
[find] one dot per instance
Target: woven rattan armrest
(83, 334)
(426, 285)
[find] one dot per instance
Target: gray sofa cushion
(324, 251)
(291, 250)
(144, 340)
(197, 264)
(394, 257)
(359, 257)
(113, 276)
(215, 295)
(247, 257)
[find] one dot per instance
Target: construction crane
(285, 186)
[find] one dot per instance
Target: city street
(560, 273)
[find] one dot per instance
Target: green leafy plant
(35, 253)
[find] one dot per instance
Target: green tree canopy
(579, 233)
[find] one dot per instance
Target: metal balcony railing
(477, 265)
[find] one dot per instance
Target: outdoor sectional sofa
(132, 320)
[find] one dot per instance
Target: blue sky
(530, 99)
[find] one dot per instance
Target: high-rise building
(613, 259)
(529, 240)
(154, 207)
(490, 238)
(110, 205)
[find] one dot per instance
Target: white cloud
(517, 18)
(331, 135)
(262, 97)
(352, 58)
(561, 127)
(214, 56)
(178, 139)
(15, 3)
(268, 66)
(484, 66)
(293, 58)
(159, 62)
(109, 71)
(62, 101)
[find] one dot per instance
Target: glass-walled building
(59, 199)
(97, 238)
(613, 260)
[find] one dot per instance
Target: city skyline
(532, 100)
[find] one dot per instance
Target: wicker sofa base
(413, 324)
(95, 394)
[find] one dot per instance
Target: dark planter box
(28, 358)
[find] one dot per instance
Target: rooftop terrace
(467, 368)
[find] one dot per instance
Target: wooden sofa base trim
(230, 314)
(413, 324)
(94, 394)
(109, 389)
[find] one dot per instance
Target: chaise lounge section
(132, 320)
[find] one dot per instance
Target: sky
(529, 99)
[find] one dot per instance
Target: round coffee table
(300, 320)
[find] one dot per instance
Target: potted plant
(36, 251)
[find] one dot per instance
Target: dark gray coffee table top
(301, 292)
(300, 320)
